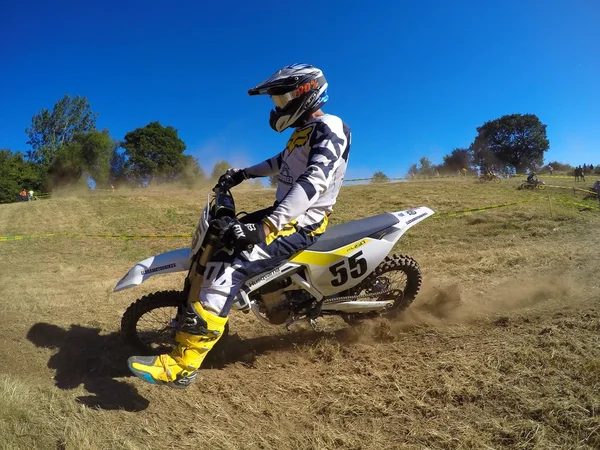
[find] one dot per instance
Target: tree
(87, 156)
(96, 151)
(379, 177)
(458, 159)
(192, 172)
(219, 169)
(16, 174)
(67, 166)
(274, 180)
(426, 166)
(516, 141)
(561, 167)
(117, 166)
(50, 130)
(153, 153)
(413, 170)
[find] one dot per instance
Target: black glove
(232, 178)
(243, 235)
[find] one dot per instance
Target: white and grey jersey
(311, 170)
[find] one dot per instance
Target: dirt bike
(347, 272)
(535, 185)
(489, 177)
(592, 193)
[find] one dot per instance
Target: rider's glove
(243, 235)
(233, 177)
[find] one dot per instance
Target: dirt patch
(490, 355)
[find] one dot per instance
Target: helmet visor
(282, 100)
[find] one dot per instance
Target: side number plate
(355, 267)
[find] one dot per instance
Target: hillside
(500, 350)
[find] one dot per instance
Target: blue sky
(411, 78)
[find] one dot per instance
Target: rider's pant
(203, 322)
(226, 273)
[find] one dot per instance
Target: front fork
(195, 276)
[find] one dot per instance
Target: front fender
(173, 261)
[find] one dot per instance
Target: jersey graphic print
(285, 174)
(299, 138)
(311, 171)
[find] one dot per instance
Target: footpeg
(314, 325)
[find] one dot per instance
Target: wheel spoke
(154, 328)
(396, 279)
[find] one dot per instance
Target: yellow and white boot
(197, 335)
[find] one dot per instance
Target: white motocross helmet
(297, 90)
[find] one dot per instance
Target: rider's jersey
(311, 170)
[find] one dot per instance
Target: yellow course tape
(571, 188)
(116, 236)
(547, 176)
(581, 205)
(30, 236)
(177, 236)
(485, 208)
(130, 236)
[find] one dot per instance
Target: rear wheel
(150, 323)
(398, 278)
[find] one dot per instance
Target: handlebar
(224, 184)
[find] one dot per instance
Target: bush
(379, 177)
(560, 167)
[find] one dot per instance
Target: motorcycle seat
(346, 233)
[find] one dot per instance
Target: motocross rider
(311, 169)
(532, 178)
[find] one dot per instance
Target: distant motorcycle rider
(532, 178)
(311, 170)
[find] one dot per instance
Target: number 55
(356, 264)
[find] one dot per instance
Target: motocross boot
(197, 335)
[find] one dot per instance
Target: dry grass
(500, 350)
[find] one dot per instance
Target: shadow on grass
(86, 357)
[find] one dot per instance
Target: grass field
(500, 350)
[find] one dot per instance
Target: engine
(280, 305)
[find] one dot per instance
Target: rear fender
(173, 261)
(406, 220)
(410, 217)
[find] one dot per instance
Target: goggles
(282, 100)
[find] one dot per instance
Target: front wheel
(398, 278)
(150, 323)
(541, 186)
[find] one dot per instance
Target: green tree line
(511, 144)
(66, 149)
